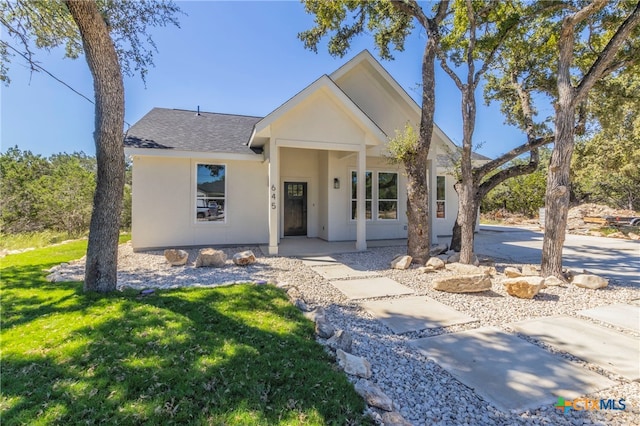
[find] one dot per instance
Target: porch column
(431, 184)
(361, 219)
(274, 194)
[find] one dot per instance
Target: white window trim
(194, 196)
(375, 195)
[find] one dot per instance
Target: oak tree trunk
(558, 184)
(419, 232)
(100, 52)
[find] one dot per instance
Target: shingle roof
(183, 130)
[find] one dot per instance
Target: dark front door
(295, 208)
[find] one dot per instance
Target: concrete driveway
(610, 257)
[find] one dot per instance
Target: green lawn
(239, 355)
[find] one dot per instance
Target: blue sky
(231, 57)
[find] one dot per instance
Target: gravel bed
(422, 391)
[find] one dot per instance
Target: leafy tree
(108, 32)
(20, 206)
(565, 49)
(604, 53)
(46, 193)
(522, 194)
(390, 22)
(606, 163)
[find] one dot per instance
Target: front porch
(303, 246)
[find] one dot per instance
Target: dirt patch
(575, 222)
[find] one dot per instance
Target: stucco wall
(376, 98)
(163, 210)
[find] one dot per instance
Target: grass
(32, 239)
(239, 355)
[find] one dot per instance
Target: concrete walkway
(502, 368)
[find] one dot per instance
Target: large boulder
(530, 270)
(354, 365)
(590, 281)
(438, 249)
(435, 264)
(244, 258)
(209, 257)
(176, 257)
(374, 396)
(463, 283)
(401, 262)
(512, 272)
(523, 287)
(464, 269)
(552, 281)
(455, 257)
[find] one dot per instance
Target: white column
(361, 219)
(431, 183)
(274, 194)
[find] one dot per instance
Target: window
(210, 192)
(383, 196)
(387, 195)
(368, 195)
(440, 197)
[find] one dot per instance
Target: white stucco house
(217, 179)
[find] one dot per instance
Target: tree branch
(513, 171)
(607, 55)
(481, 171)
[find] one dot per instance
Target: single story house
(204, 178)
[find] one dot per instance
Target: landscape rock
(244, 258)
(489, 270)
(552, 281)
(590, 281)
(438, 249)
(354, 365)
(324, 329)
(463, 283)
(633, 236)
(300, 304)
(341, 340)
(176, 257)
(394, 418)
(314, 314)
(523, 287)
(401, 262)
(512, 272)
(435, 263)
(464, 269)
(209, 257)
(374, 396)
(454, 258)
(530, 270)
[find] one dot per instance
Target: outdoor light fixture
(336, 183)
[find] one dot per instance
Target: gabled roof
(324, 82)
(182, 130)
(366, 56)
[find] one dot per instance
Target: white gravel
(423, 392)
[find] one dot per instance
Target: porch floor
(303, 246)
